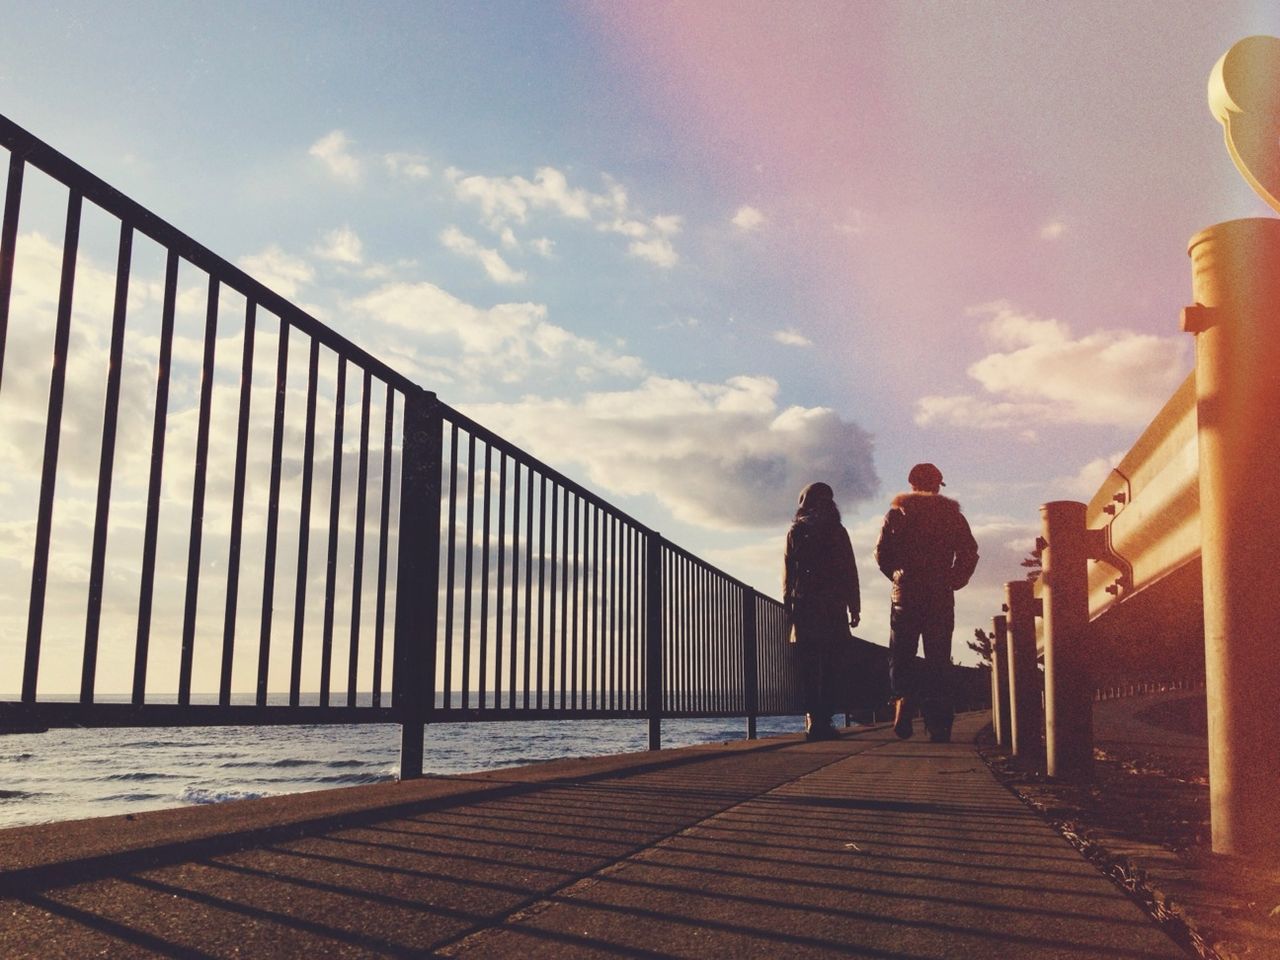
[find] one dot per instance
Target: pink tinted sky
(946, 138)
(919, 161)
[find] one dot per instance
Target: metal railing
(381, 558)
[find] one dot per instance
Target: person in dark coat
(927, 549)
(820, 593)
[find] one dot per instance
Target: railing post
(1068, 687)
(653, 691)
(1236, 322)
(1000, 718)
(417, 577)
(1024, 678)
(750, 670)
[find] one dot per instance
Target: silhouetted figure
(928, 551)
(820, 593)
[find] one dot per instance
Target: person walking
(927, 549)
(822, 601)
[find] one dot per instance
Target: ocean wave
(350, 778)
(131, 798)
(291, 762)
(173, 744)
(218, 794)
(17, 795)
(139, 776)
(18, 757)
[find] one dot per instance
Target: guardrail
(387, 559)
(1168, 567)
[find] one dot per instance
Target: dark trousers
(924, 685)
(821, 633)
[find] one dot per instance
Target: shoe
(940, 735)
(902, 719)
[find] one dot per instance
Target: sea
(70, 774)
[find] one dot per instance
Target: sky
(695, 255)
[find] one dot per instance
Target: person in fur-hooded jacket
(927, 549)
(822, 601)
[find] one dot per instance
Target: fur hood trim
(914, 498)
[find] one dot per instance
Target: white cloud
(668, 225)
(747, 218)
(282, 272)
(1044, 375)
(721, 455)
(499, 270)
(411, 166)
(435, 337)
(332, 150)
(792, 337)
(656, 250)
(543, 246)
(505, 201)
(1088, 478)
(340, 246)
(1053, 230)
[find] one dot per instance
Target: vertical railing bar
(195, 538)
(357, 566)
(106, 463)
(721, 662)
(595, 607)
(542, 573)
(714, 660)
(467, 570)
(273, 512)
(653, 617)
(686, 629)
(637, 618)
(551, 597)
(379, 628)
(482, 673)
(304, 524)
(687, 575)
(729, 671)
(628, 654)
(417, 576)
(602, 562)
(237, 505)
(52, 438)
(564, 597)
(671, 658)
(709, 647)
(750, 660)
(528, 588)
(331, 554)
(502, 566)
(611, 644)
(577, 610)
(9, 244)
(733, 639)
(616, 616)
(451, 548)
(675, 659)
(515, 582)
(151, 530)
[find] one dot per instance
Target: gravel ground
(1144, 821)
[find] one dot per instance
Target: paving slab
(861, 847)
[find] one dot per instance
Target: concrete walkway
(864, 847)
